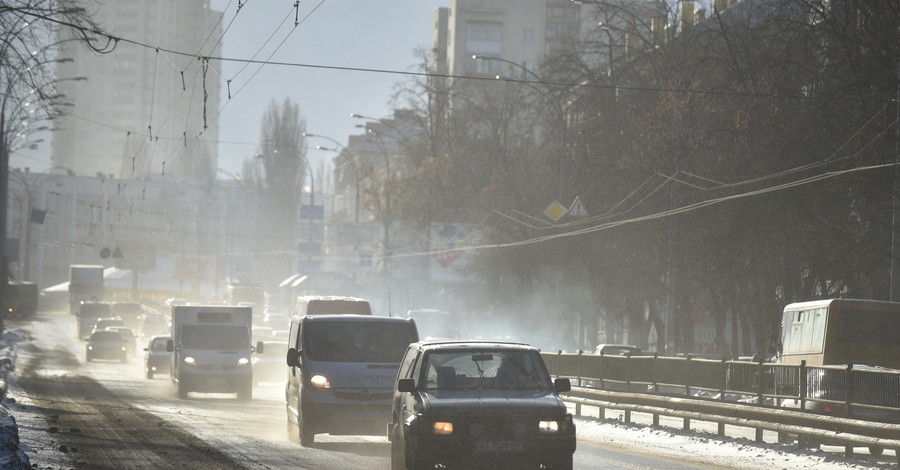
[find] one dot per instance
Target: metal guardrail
(847, 391)
(809, 428)
(821, 397)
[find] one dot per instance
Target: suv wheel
(562, 463)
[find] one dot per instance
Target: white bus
(841, 331)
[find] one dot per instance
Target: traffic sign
(577, 209)
(555, 211)
(308, 211)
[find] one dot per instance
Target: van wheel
(182, 391)
(293, 432)
(307, 438)
(149, 374)
(246, 391)
(876, 451)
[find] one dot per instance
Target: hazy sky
(344, 33)
(363, 34)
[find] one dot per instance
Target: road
(107, 415)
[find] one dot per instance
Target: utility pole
(895, 203)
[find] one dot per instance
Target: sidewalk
(12, 457)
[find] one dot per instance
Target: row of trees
(731, 165)
(29, 101)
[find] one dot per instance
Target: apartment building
(145, 104)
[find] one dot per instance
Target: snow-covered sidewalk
(714, 451)
(11, 455)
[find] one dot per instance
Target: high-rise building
(518, 31)
(149, 105)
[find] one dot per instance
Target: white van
(341, 371)
(331, 305)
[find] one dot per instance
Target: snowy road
(74, 414)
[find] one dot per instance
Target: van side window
(292, 339)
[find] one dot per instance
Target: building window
(484, 37)
(528, 36)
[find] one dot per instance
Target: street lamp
(352, 160)
(385, 214)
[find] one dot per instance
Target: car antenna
(390, 314)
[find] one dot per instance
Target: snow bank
(11, 455)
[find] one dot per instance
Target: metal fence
(846, 391)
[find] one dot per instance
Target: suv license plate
(498, 446)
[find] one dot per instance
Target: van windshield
(345, 341)
(215, 337)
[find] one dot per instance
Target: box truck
(85, 283)
(211, 350)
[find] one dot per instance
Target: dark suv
(466, 404)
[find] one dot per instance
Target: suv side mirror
(293, 357)
(406, 385)
(562, 385)
(259, 347)
(170, 345)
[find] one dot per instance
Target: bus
(841, 331)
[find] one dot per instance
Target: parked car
(157, 360)
(459, 404)
(105, 344)
(269, 365)
(617, 350)
(128, 337)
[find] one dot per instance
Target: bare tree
(29, 100)
(278, 171)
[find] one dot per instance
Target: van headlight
(190, 361)
(243, 361)
(320, 381)
(548, 427)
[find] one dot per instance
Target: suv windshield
(494, 369)
(345, 341)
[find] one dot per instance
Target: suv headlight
(243, 361)
(190, 361)
(548, 426)
(442, 428)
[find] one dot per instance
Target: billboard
(452, 250)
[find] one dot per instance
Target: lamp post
(352, 160)
(386, 215)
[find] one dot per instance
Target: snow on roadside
(12, 456)
(712, 450)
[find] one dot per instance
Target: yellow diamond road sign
(555, 211)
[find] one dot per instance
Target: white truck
(211, 350)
